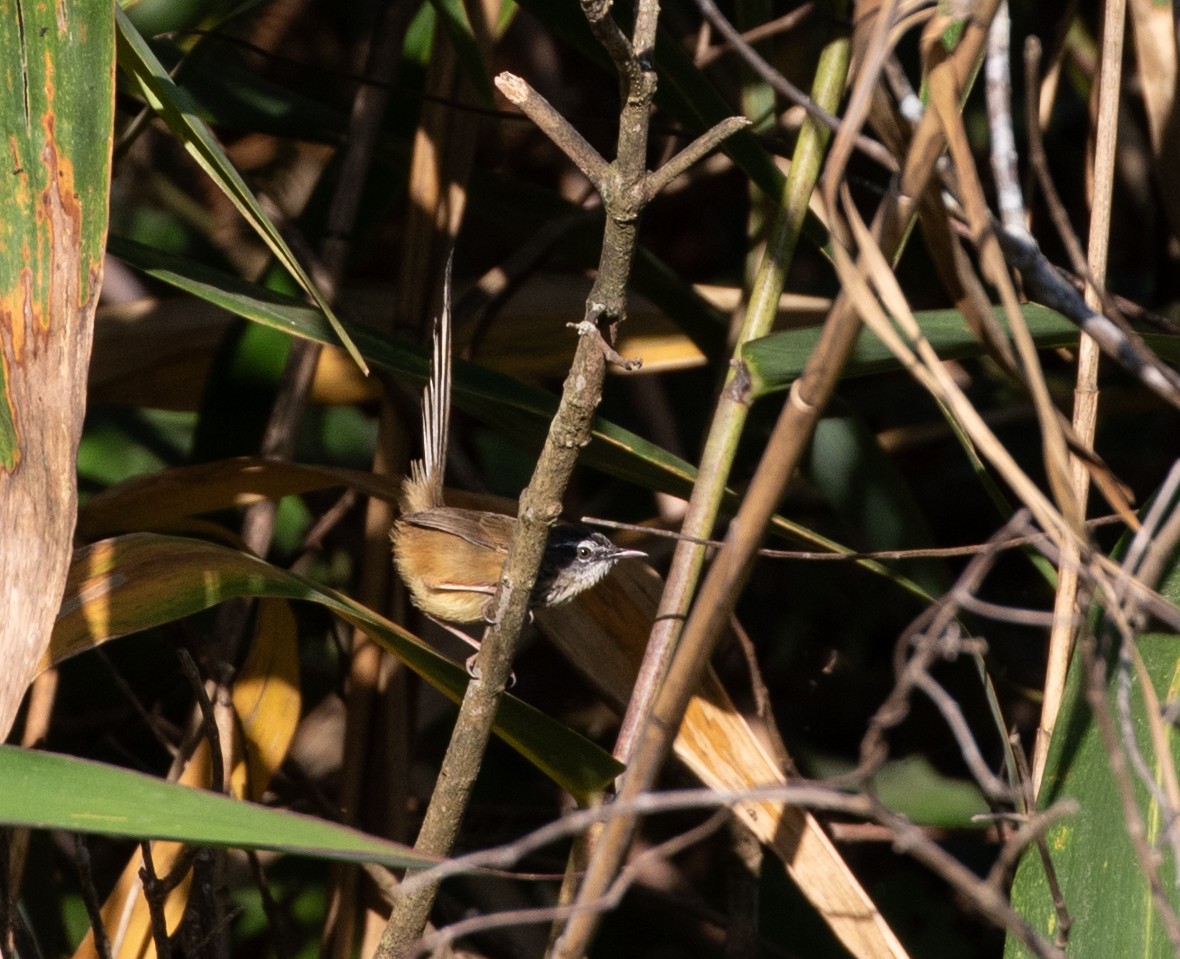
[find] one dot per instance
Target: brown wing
(487, 530)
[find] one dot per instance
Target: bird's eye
(583, 552)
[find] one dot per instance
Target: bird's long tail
(425, 487)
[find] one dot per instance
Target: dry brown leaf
(945, 98)
(158, 500)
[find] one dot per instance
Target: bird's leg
(454, 631)
(469, 663)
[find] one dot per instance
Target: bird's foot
(473, 671)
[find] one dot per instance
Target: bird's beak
(620, 553)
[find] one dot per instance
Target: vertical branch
(626, 188)
(1086, 386)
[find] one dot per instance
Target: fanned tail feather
(425, 489)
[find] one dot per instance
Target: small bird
(451, 559)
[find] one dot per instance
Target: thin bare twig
(764, 31)
(1007, 614)
(1045, 285)
(208, 720)
(313, 539)
(1032, 831)
(933, 552)
(653, 183)
(994, 787)
(1039, 163)
(607, 32)
(270, 908)
(557, 128)
(90, 898)
(812, 795)
(1028, 804)
(155, 891)
(983, 897)
(999, 112)
(1101, 572)
(870, 148)
(611, 900)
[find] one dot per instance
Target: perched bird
(449, 558)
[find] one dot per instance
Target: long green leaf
(775, 361)
(176, 108)
(50, 791)
(130, 583)
(1100, 876)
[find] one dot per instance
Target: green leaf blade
(1097, 869)
(50, 791)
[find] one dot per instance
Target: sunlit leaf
(266, 698)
